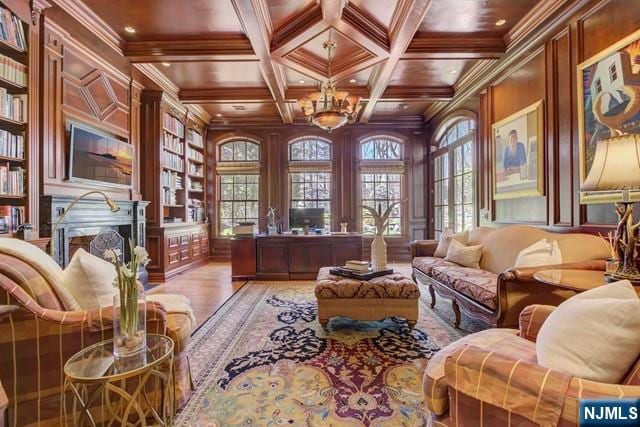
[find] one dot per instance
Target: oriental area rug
(264, 360)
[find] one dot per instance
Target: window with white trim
(381, 182)
(454, 178)
(238, 169)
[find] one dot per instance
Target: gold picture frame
(590, 130)
(518, 167)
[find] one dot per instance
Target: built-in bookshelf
(14, 82)
(195, 176)
(173, 165)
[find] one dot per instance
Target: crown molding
(158, 78)
(200, 113)
(222, 48)
(532, 19)
(366, 24)
(94, 23)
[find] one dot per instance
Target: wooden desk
(289, 257)
(243, 258)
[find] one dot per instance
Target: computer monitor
(313, 217)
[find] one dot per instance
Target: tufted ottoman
(394, 295)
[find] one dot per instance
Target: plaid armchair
(492, 378)
(38, 334)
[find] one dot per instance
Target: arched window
(310, 175)
(381, 181)
(453, 177)
(238, 169)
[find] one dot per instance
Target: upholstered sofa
(39, 333)
(493, 378)
(496, 292)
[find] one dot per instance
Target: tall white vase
(378, 253)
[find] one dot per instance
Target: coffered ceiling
(251, 59)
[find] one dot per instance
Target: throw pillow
(90, 280)
(466, 256)
(594, 335)
(543, 252)
(445, 240)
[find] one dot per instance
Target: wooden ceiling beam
(301, 28)
(443, 46)
(225, 48)
(409, 16)
(258, 33)
(413, 93)
(225, 95)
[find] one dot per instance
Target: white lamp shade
(616, 165)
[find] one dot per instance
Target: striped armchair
(39, 332)
(492, 378)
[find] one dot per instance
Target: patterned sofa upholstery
(496, 292)
(493, 378)
(38, 334)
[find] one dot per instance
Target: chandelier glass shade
(330, 108)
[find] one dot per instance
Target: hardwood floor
(209, 286)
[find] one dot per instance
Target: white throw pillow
(445, 240)
(543, 252)
(90, 280)
(594, 335)
(466, 256)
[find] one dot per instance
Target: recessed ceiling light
(166, 64)
(352, 81)
(129, 29)
(218, 115)
(301, 81)
(501, 22)
(453, 71)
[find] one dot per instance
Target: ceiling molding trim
(228, 47)
(367, 25)
(516, 53)
(158, 78)
(262, 10)
(303, 23)
(94, 23)
(200, 113)
(532, 19)
(225, 95)
(407, 24)
(443, 46)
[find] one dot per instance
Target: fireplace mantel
(88, 218)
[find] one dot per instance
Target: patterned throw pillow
(466, 256)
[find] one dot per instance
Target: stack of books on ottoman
(360, 270)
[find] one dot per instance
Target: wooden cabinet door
(273, 257)
(309, 257)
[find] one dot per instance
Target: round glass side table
(109, 391)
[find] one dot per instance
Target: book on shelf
(172, 161)
(12, 30)
(11, 145)
(173, 143)
(13, 107)
(195, 155)
(196, 170)
(194, 138)
(196, 214)
(11, 180)
(13, 71)
(171, 179)
(173, 125)
(11, 217)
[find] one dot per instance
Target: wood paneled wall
(274, 180)
(548, 73)
(78, 85)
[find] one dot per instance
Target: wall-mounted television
(99, 158)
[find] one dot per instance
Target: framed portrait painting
(518, 153)
(608, 104)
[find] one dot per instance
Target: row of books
(11, 145)
(11, 29)
(13, 107)
(194, 138)
(172, 161)
(195, 185)
(13, 71)
(11, 217)
(11, 180)
(196, 170)
(195, 215)
(173, 125)
(171, 179)
(173, 143)
(169, 197)
(195, 155)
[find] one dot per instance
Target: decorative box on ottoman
(393, 295)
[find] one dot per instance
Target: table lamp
(616, 168)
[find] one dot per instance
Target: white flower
(127, 272)
(112, 255)
(141, 255)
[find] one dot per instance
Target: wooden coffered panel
(244, 110)
(282, 12)
(400, 108)
(199, 75)
(429, 73)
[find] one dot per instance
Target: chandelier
(330, 108)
